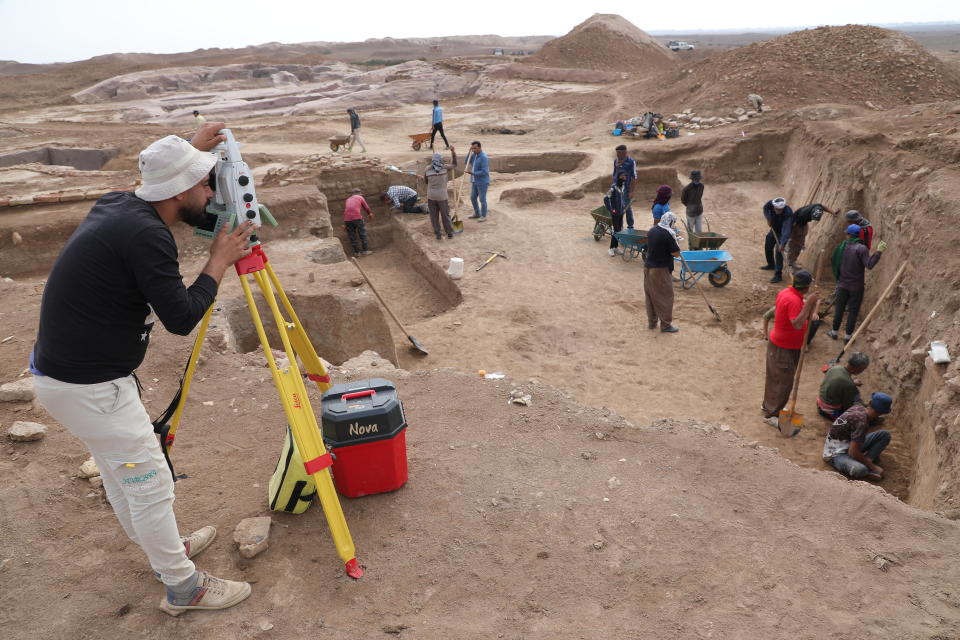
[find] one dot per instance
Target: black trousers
(410, 205)
(433, 134)
(357, 232)
(617, 226)
(849, 301)
(774, 255)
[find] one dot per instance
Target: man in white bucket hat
(115, 276)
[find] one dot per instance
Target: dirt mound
(605, 42)
(853, 64)
(527, 196)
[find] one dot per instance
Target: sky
(41, 31)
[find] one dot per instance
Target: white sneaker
(210, 593)
(199, 540)
(611, 252)
(773, 421)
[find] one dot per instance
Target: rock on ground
(17, 391)
(252, 535)
(89, 469)
(26, 431)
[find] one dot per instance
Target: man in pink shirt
(353, 210)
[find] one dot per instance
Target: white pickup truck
(678, 45)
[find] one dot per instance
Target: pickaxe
(491, 258)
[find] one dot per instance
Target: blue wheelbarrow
(633, 243)
(711, 263)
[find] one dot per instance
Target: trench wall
(909, 196)
(83, 159)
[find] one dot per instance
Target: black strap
(161, 425)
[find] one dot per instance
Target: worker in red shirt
(353, 209)
(793, 311)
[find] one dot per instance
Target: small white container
(938, 352)
(455, 270)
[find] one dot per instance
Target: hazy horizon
(119, 26)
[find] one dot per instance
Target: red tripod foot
(354, 570)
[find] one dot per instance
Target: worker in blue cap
(850, 449)
(851, 259)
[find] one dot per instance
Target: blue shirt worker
(437, 124)
(780, 220)
(628, 166)
(480, 172)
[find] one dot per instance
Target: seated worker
(850, 449)
(838, 391)
(402, 198)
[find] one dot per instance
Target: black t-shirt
(803, 215)
(116, 271)
(660, 245)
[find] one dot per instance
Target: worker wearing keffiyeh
(662, 247)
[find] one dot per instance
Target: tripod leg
(298, 338)
(303, 423)
(187, 379)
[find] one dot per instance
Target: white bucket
(938, 352)
(455, 270)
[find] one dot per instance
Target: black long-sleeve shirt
(116, 274)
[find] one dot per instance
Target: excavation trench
(808, 164)
(81, 159)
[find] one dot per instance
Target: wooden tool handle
(806, 339)
(873, 311)
(376, 293)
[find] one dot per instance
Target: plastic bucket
(455, 270)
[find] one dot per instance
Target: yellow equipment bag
(291, 489)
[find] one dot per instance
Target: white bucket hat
(171, 166)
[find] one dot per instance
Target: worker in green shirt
(838, 391)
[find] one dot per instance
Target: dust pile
(853, 64)
(605, 42)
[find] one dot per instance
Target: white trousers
(355, 139)
(112, 422)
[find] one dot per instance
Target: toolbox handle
(358, 394)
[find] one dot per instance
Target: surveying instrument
(236, 202)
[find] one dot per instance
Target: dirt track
(708, 533)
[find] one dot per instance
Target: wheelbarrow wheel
(416, 146)
(721, 277)
(629, 253)
(334, 147)
(599, 231)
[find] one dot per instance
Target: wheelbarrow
(603, 223)
(633, 242)
(339, 143)
(704, 240)
(418, 140)
(697, 263)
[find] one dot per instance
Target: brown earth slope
(605, 42)
(845, 65)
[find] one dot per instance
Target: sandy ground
(583, 516)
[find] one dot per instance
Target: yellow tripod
(290, 386)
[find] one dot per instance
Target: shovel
(697, 285)
(790, 421)
(416, 345)
(455, 220)
(873, 311)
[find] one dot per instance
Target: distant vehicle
(679, 45)
(498, 52)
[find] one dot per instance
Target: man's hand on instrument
(230, 246)
(208, 136)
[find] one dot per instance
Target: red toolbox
(364, 426)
